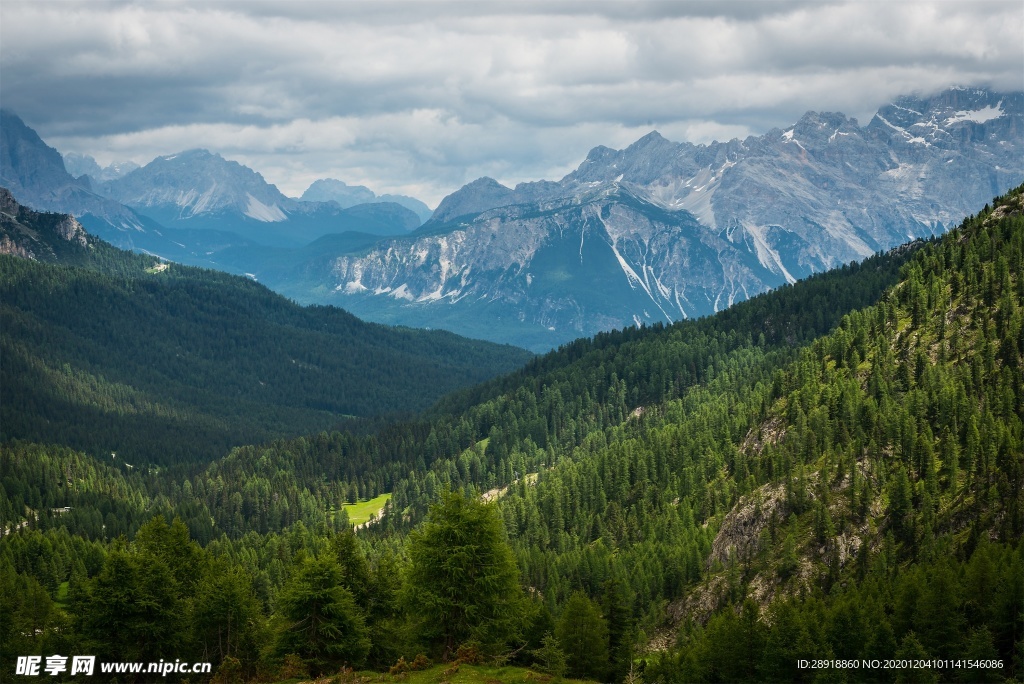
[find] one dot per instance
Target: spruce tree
(320, 620)
(463, 582)
(583, 635)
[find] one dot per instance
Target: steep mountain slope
(164, 363)
(45, 237)
(899, 508)
(757, 213)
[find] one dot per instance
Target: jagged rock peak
(194, 153)
(79, 165)
(600, 153)
(824, 125)
(652, 139)
(485, 183)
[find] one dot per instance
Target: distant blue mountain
(331, 190)
(198, 189)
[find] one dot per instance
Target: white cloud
(420, 97)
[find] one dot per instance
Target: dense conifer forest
(109, 351)
(830, 471)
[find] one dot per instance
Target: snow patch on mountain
(262, 212)
(402, 292)
(978, 115)
(631, 275)
(768, 257)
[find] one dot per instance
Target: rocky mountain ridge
(198, 189)
(758, 212)
(79, 165)
(32, 235)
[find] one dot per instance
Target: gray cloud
(421, 97)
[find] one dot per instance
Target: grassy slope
(361, 511)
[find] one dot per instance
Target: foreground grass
(447, 674)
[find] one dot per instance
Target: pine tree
(226, 618)
(463, 582)
(583, 635)
(320, 621)
(131, 610)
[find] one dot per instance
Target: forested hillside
(108, 351)
(834, 470)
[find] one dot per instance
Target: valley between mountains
(834, 467)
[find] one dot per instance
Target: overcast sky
(422, 97)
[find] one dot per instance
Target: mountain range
(662, 231)
(187, 207)
(201, 190)
(658, 231)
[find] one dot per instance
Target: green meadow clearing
(361, 511)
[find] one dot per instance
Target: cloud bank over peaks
(419, 97)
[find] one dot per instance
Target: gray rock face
(32, 171)
(664, 230)
(196, 182)
(34, 235)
